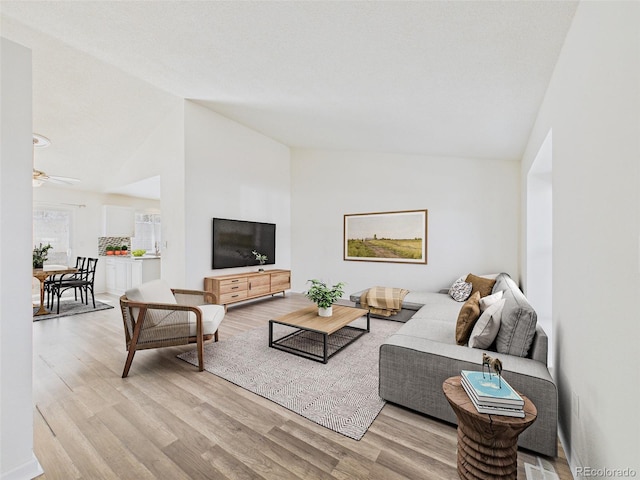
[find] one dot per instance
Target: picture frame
(395, 237)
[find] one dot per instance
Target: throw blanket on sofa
(384, 301)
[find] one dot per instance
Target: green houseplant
(124, 249)
(110, 250)
(40, 255)
(324, 296)
(261, 258)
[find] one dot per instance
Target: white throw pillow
(486, 302)
(486, 328)
(460, 290)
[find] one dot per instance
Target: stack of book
(491, 394)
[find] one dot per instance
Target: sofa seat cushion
(436, 305)
(429, 329)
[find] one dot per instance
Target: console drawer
(232, 297)
(233, 287)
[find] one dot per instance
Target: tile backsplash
(104, 242)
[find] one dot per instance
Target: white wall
(231, 172)
(162, 153)
(16, 410)
(593, 106)
(538, 284)
(87, 219)
(473, 215)
(163, 146)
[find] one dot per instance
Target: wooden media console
(228, 289)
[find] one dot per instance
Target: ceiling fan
(40, 177)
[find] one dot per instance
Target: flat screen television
(234, 240)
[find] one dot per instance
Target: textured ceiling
(436, 78)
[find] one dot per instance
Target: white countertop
(131, 257)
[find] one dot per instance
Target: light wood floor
(169, 421)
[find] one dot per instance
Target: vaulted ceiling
(449, 78)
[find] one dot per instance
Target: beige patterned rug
(341, 395)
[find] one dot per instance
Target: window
(147, 234)
(53, 226)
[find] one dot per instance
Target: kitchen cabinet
(128, 272)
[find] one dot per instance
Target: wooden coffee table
(319, 338)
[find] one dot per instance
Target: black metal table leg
(325, 338)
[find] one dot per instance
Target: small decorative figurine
(492, 364)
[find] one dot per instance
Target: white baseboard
(27, 471)
(571, 458)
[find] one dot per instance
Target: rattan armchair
(157, 316)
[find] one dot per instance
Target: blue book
(491, 389)
(492, 409)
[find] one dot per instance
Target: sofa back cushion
(518, 321)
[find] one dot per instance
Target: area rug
(341, 395)
(71, 307)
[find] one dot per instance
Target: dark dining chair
(67, 277)
(84, 283)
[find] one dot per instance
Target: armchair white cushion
(212, 315)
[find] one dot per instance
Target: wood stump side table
(487, 444)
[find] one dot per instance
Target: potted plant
(110, 250)
(40, 255)
(124, 250)
(260, 258)
(324, 296)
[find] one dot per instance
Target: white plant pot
(325, 312)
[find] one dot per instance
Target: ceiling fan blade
(62, 180)
(40, 176)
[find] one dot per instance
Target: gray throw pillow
(518, 322)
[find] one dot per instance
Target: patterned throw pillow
(460, 290)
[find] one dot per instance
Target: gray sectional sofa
(416, 360)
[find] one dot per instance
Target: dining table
(42, 274)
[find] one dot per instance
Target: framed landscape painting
(399, 237)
